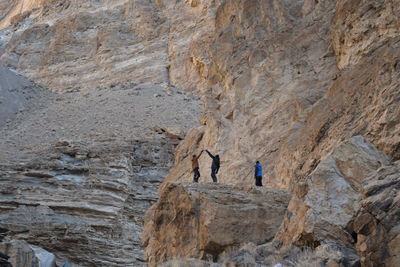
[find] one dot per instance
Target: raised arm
(200, 154)
(211, 155)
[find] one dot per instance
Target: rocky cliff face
(288, 83)
(89, 132)
(89, 44)
(346, 211)
(84, 204)
(285, 82)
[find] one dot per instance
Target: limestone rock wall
(263, 74)
(88, 44)
(282, 82)
(79, 168)
(285, 82)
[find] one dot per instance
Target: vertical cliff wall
(284, 82)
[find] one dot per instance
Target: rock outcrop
(69, 45)
(346, 211)
(82, 162)
(325, 204)
(204, 220)
(22, 254)
(275, 77)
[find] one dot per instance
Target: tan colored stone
(203, 220)
(277, 95)
(283, 82)
(333, 196)
(360, 27)
(16, 10)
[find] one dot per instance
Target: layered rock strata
(12, 11)
(94, 191)
(283, 82)
(204, 220)
(85, 204)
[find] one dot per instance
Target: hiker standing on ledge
(214, 166)
(195, 167)
(258, 173)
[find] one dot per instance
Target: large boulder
(324, 206)
(377, 223)
(203, 220)
(22, 254)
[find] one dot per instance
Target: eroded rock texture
(84, 204)
(346, 211)
(377, 221)
(89, 44)
(204, 220)
(286, 81)
(13, 11)
(283, 82)
(327, 202)
(106, 92)
(22, 254)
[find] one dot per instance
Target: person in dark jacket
(258, 173)
(214, 166)
(195, 167)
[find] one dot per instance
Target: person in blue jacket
(258, 173)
